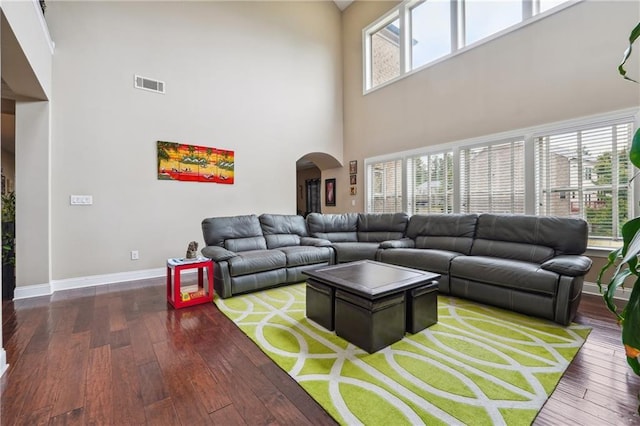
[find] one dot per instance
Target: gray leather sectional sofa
(528, 264)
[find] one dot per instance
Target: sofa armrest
(571, 265)
(217, 254)
(316, 242)
(403, 243)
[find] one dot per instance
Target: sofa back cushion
(336, 228)
(235, 233)
(529, 238)
(283, 230)
(378, 227)
(451, 232)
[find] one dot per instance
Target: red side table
(182, 299)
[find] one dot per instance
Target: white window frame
(402, 12)
(528, 135)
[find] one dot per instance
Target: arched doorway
(309, 180)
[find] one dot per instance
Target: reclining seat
(357, 236)
(242, 261)
(433, 241)
(373, 229)
(288, 234)
(528, 264)
(337, 228)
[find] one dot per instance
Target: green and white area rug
(477, 365)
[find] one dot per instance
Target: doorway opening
(7, 195)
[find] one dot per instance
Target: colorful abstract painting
(177, 161)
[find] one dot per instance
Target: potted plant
(625, 259)
(8, 245)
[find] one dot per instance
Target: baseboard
(123, 277)
(90, 281)
(95, 280)
(29, 291)
(592, 288)
(3, 361)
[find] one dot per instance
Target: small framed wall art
(353, 179)
(330, 192)
(353, 167)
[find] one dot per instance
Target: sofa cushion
(351, 252)
(509, 250)
(312, 241)
(250, 262)
(515, 274)
(282, 230)
(246, 244)
(218, 230)
(571, 265)
(333, 227)
(425, 259)
(562, 234)
(450, 232)
(218, 254)
(381, 227)
(306, 255)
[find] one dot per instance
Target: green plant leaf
(630, 326)
(616, 282)
(635, 33)
(634, 154)
(611, 260)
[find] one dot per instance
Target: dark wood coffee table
(371, 304)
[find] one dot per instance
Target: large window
(430, 183)
(579, 168)
(492, 178)
(430, 32)
(586, 173)
(483, 18)
(419, 32)
(385, 53)
(385, 186)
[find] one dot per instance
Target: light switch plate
(81, 200)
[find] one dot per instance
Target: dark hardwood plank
(127, 397)
(162, 413)
(185, 402)
(140, 342)
(194, 366)
(35, 418)
(70, 418)
(151, 383)
(99, 398)
(227, 416)
(71, 377)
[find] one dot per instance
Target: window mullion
(580, 177)
(527, 8)
(455, 31)
(489, 180)
(512, 175)
(405, 46)
(615, 180)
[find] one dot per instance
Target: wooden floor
(119, 355)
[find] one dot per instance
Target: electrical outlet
(135, 255)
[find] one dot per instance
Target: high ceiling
(343, 4)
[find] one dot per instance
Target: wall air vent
(149, 84)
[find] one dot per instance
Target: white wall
(27, 67)
(32, 188)
(559, 68)
(263, 79)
